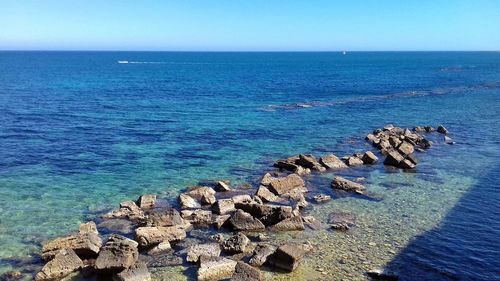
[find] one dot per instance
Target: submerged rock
(119, 253)
(290, 224)
(245, 272)
(341, 221)
(85, 245)
(137, 272)
(347, 185)
(288, 257)
(215, 268)
(64, 262)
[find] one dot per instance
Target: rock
(128, 210)
(412, 158)
(429, 129)
(310, 162)
(119, 226)
(395, 141)
(12, 276)
(219, 221)
(312, 223)
(148, 236)
(243, 221)
(301, 171)
(383, 145)
(256, 199)
(380, 274)
(164, 261)
(388, 127)
(293, 223)
(267, 179)
(188, 202)
(419, 129)
(393, 158)
(218, 237)
(208, 199)
(210, 249)
(448, 140)
(215, 268)
(85, 245)
(406, 164)
(285, 184)
(288, 164)
(119, 253)
(288, 256)
(64, 262)
(353, 161)
(442, 130)
(224, 206)
(369, 158)
(237, 243)
(245, 272)
(424, 144)
(341, 221)
(169, 217)
(332, 162)
(160, 248)
(372, 138)
(347, 185)
(405, 148)
(266, 195)
(242, 198)
(222, 186)
(321, 198)
(261, 254)
(197, 192)
(146, 201)
(137, 272)
(88, 227)
(198, 217)
(266, 213)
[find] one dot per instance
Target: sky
(252, 25)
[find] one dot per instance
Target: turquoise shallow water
(81, 133)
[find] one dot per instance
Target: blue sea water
(80, 132)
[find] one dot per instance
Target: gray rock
(354, 161)
(429, 129)
(210, 249)
(312, 223)
(393, 158)
(163, 247)
(266, 195)
(405, 148)
(219, 221)
(261, 254)
(137, 272)
(198, 217)
(285, 184)
(119, 253)
(380, 274)
(242, 198)
(347, 185)
(222, 186)
(88, 227)
(244, 221)
(448, 140)
(442, 130)
(294, 223)
(188, 202)
(237, 243)
(215, 268)
(147, 201)
(321, 198)
(310, 162)
(148, 236)
(369, 158)
(64, 262)
(169, 217)
(407, 164)
(288, 257)
(85, 245)
(266, 213)
(332, 162)
(245, 272)
(224, 206)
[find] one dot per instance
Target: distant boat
(344, 52)
(123, 61)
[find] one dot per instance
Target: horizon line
(238, 51)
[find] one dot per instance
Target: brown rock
(285, 184)
(119, 253)
(331, 161)
(85, 245)
(288, 256)
(245, 272)
(198, 217)
(261, 254)
(353, 161)
(237, 243)
(219, 221)
(310, 162)
(243, 221)
(128, 210)
(215, 268)
(266, 213)
(188, 202)
(88, 227)
(210, 249)
(347, 185)
(197, 192)
(294, 223)
(393, 158)
(167, 217)
(405, 148)
(147, 236)
(64, 262)
(223, 206)
(242, 198)
(137, 272)
(160, 248)
(147, 201)
(369, 158)
(267, 195)
(222, 186)
(406, 164)
(312, 223)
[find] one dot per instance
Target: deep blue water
(80, 132)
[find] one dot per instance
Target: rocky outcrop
(341, 183)
(215, 268)
(119, 253)
(64, 262)
(85, 245)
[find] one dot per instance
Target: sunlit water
(80, 132)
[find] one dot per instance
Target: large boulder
(215, 268)
(169, 217)
(223, 206)
(188, 202)
(261, 254)
(237, 243)
(197, 192)
(353, 161)
(293, 223)
(137, 272)
(64, 262)
(128, 210)
(222, 186)
(266, 213)
(266, 195)
(88, 227)
(146, 201)
(151, 235)
(119, 253)
(332, 162)
(195, 251)
(288, 257)
(406, 148)
(369, 158)
(286, 184)
(198, 217)
(310, 162)
(85, 245)
(442, 130)
(347, 185)
(393, 158)
(245, 272)
(244, 221)
(288, 164)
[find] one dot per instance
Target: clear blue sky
(254, 25)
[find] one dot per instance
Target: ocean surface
(80, 132)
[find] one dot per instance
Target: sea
(81, 132)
